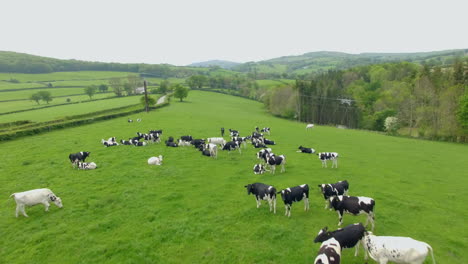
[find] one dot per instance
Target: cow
(306, 150)
(197, 142)
(186, 138)
(295, 194)
(87, 165)
(261, 192)
(155, 160)
(130, 120)
(156, 131)
(333, 189)
(125, 142)
(138, 119)
(171, 144)
(234, 133)
(268, 142)
(353, 205)
(329, 252)
(109, 143)
(396, 249)
(326, 156)
(206, 152)
(33, 197)
(309, 126)
(265, 130)
(184, 143)
(213, 149)
(262, 154)
(139, 144)
(273, 160)
(259, 169)
(348, 237)
(241, 140)
(217, 140)
(76, 157)
(232, 145)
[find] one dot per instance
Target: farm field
(195, 209)
(51, 113)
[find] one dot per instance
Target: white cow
(213, 148)
(309, 126)
(87, 165)
(155, 160)
(396, 249)
(33, 197)
(217, 140)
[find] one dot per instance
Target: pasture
(195, 209)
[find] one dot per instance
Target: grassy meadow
(195, 209)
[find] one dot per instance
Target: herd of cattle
(381, 248)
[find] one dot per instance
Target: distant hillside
(220, 63)
(324, 60)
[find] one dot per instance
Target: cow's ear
(325, 228)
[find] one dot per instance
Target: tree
(35, 97)
(128, 88)
(196, 81)
(462, 113)
(151, 101)
(391, 124)
(45, 96)
(133, 82)
(164, 86)
(90, 91)
(103, 88)
(180, 92)
(116, 84)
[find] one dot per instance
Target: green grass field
(194, 209)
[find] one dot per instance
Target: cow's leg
(258, 202)
(46, 205)
(286, 209)
(383, 261)
(372, 219)
(365, 249)
(289, 210)
(274, 205)
(356, 250)
(24, 211)
(340, 216)
(18, 209)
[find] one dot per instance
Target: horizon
(182, 32)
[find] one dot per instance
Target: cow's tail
(432, 253)
(12, 195)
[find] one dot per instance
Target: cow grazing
(80, 156)
(155, 160)
(329, 252)
(259, 169)
(353, 205)
(295, 194)
(333, 189)
(87, 165)
(234, 133)
(125, 142)
(232, 145)
(265, 130)
(396, 249)
(261, 192)
(326, 156)
(33, 197)
(348, 237)
(306, 150)
(309, 126)
(217, 140)
(273, 161)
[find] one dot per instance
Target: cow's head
(322, 235)
(57, 201)
(333, 202)
(249, 188)
(86, 154)
(322, 187)
(300, 147)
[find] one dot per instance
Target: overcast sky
(181, 32)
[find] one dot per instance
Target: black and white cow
(306, 150)
(261, 192)
(206, 152)
(326, 156)
(130, 120)
(259, 169)
(156, 131)
(186, 138)
(232, 145)
(273, 161)
(348, 237)
(197, 142)
(295, 194)
(109, 143)
(333, 189)
(76, 157)
(234, 133)
(329, 252)
(171, 144)
(125, 142)
(241, 140)
(268, 142)
(353, 205)
(396, 249)
(263, 154)
(265, 130)
(139, 144)
(87, 165)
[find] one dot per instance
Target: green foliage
(151, 101)
(103, 88)
(90, 91)
(46, 96)
(117, 86)
(36, 97)
(68, 100)
(164, 86)
(196, 81)
(180, 91)
(462, 113)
